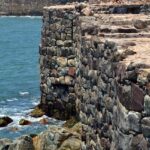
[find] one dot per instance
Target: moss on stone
(24, 122)
(37, 112)
(71, 122)
(2, 122)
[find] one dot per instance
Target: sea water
(19, 72)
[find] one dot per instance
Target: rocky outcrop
(22, 143)
(4, 143)
(55, 138)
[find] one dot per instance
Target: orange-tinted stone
(44, 121)
(72, 71)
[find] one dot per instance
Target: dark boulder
(4, 121)
(24, 122)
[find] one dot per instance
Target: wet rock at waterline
(55, 138)
(24, 122)
(4, 121)
(37, 112)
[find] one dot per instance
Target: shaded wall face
(97, 95)
(113, 103)
(58, 61)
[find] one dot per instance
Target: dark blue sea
(19, 72)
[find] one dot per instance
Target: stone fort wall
(86, 77)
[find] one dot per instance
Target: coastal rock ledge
(55, 138)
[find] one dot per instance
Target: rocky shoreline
(54, 138)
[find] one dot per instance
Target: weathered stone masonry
(85, 77)
(59, 61)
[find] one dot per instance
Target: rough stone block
(146, 126)
(132, 97)
(125, 120)
(72, 71)
(137, 100)
(147, 105)
(62, 61)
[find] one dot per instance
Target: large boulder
(4, 121)
(24, 122)
(37, 112)
(4, 143)
(87, 11)
(22, 143)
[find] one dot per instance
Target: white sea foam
(12, 99)
(23, 93)
(31, 17)
(18, 117)
(35, 103)
(35, 119)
